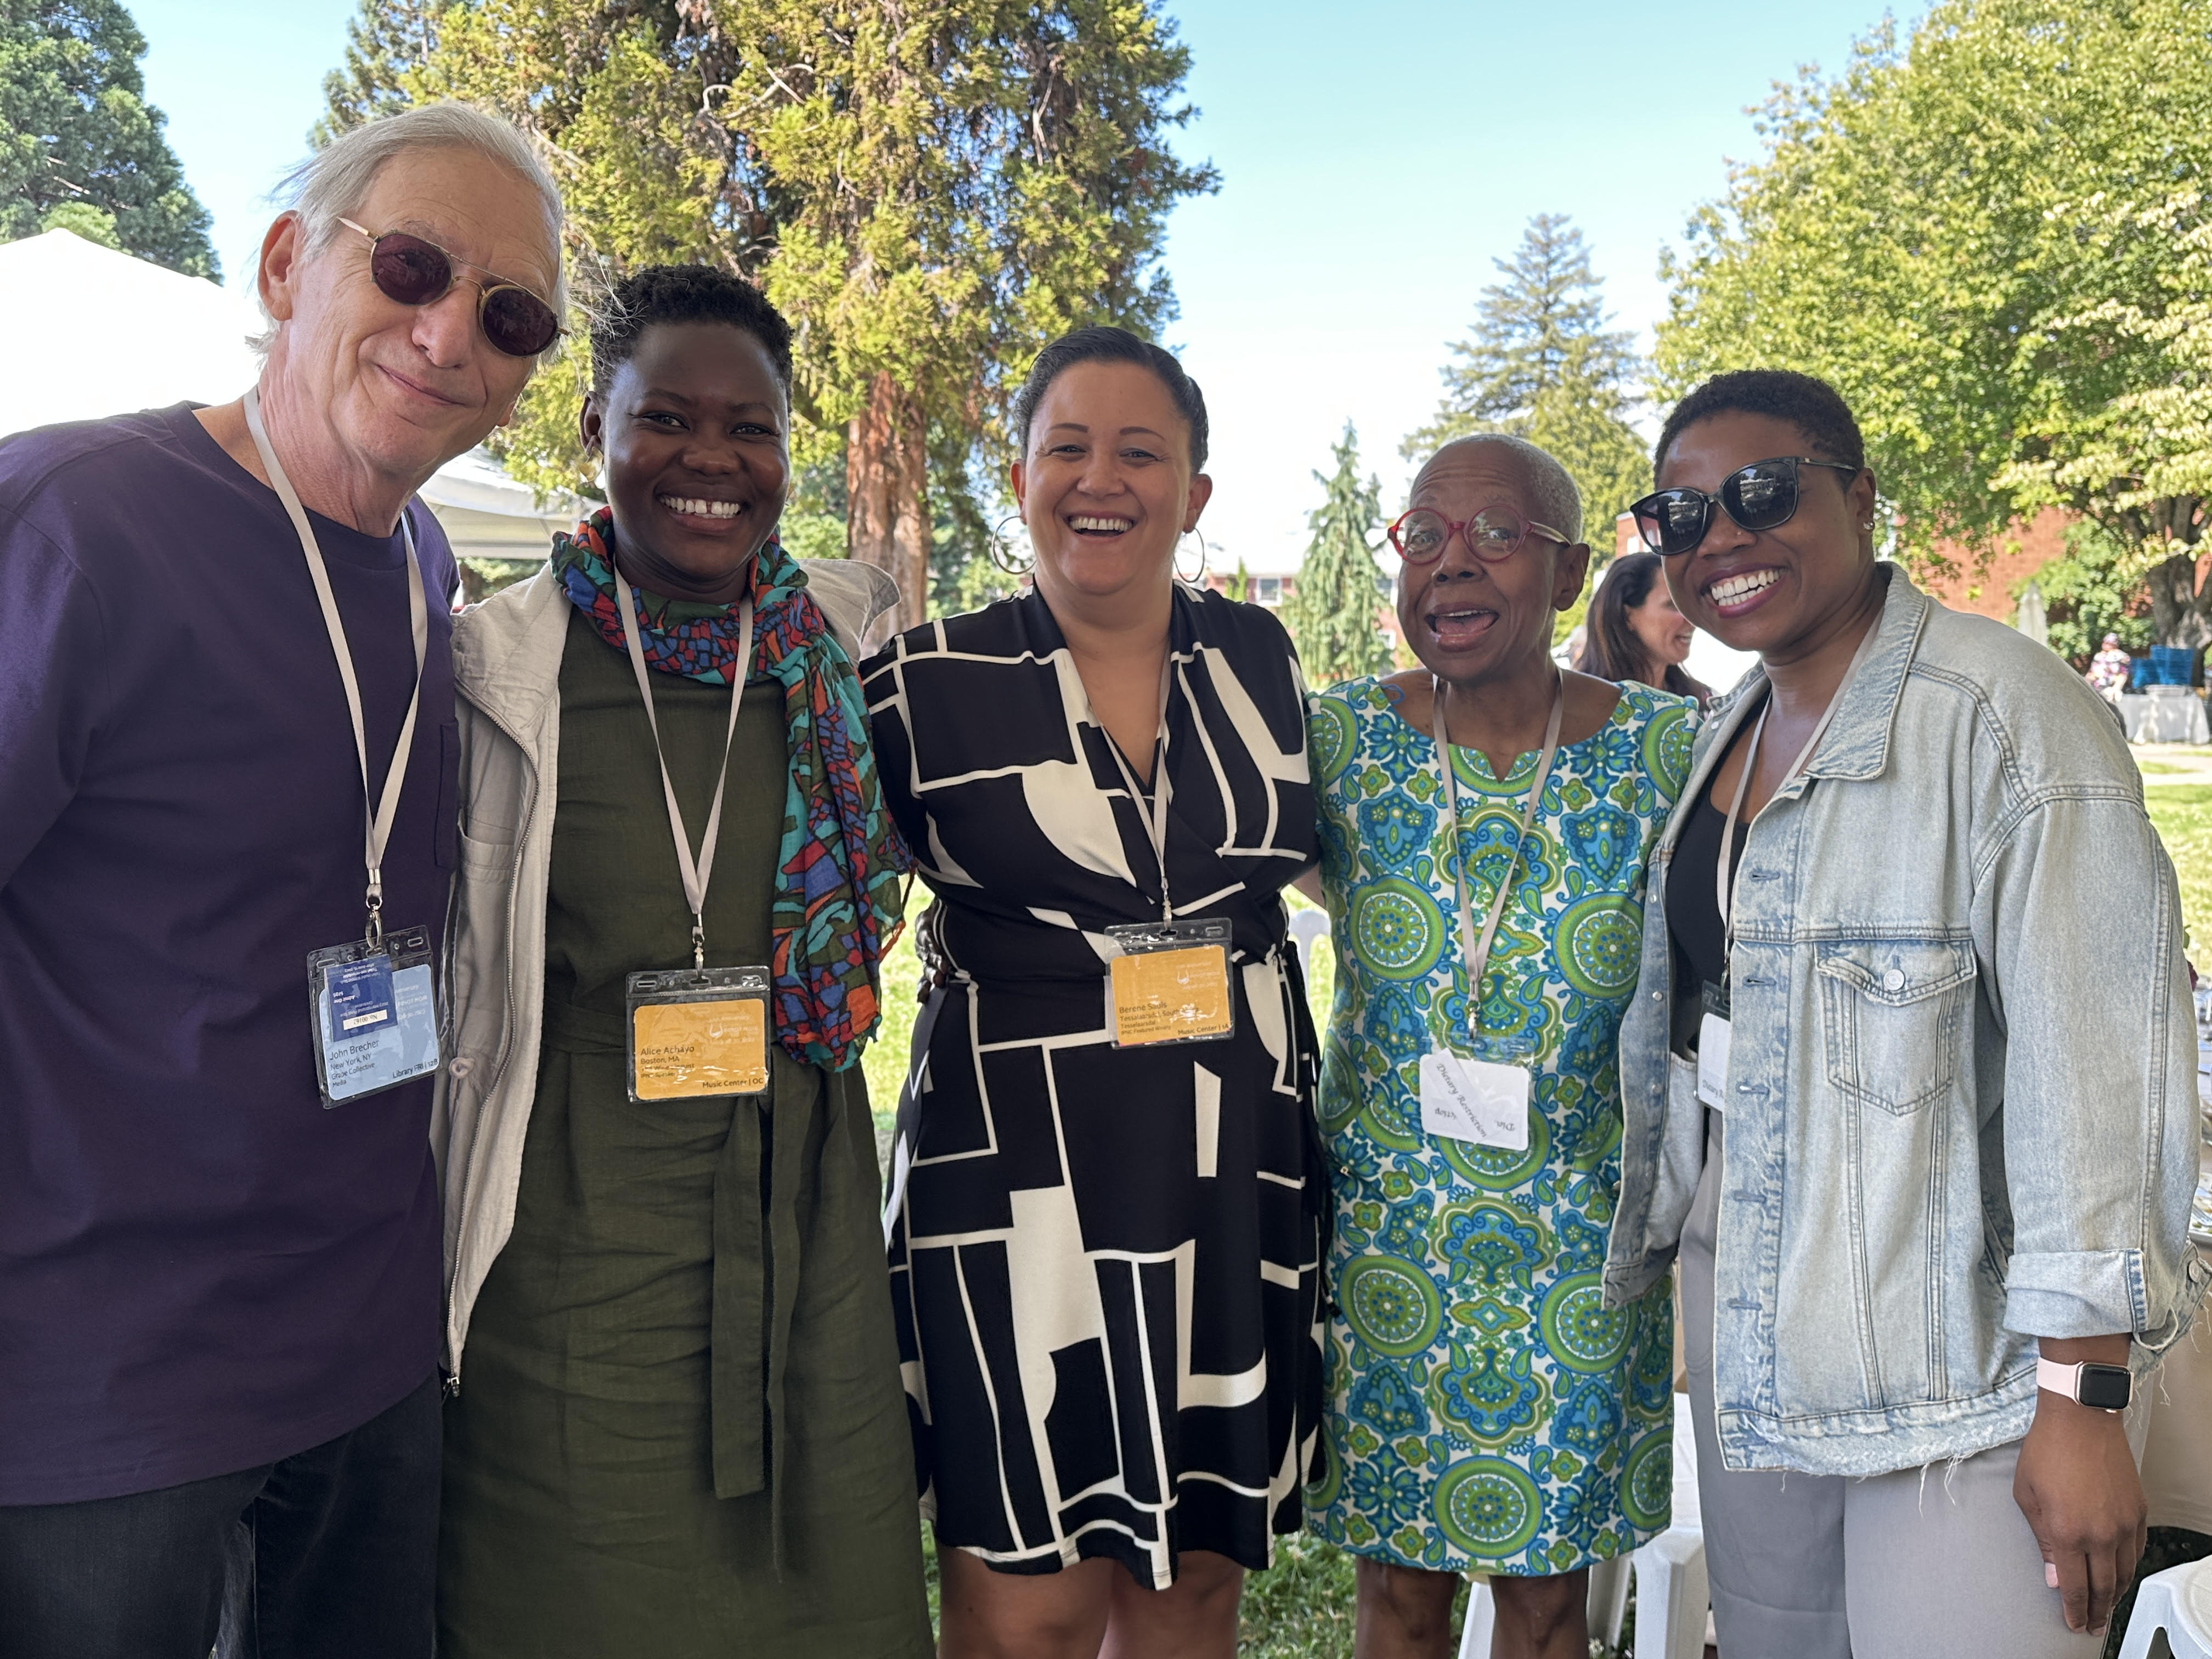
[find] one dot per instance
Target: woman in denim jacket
(1958, 1139)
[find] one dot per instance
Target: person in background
(228, 745)
(1633, 631)
(1925, 1151)
(2109, 670)
(677, 1427)
(1105, 1248)
(1485, 1411)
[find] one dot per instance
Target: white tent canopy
(102, 333)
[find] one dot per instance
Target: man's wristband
(2101, 1387)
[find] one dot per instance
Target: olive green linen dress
(680, 1430)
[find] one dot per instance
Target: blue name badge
(375, 1015)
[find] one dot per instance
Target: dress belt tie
(756, 1261)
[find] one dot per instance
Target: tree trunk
(2176, 609)
(886, 490)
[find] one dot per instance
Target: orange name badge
(691, 1039)
(1171, 984)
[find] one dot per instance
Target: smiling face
(400, 389)
(1469, 622)
(1769, 591)
(693, 428)
(1107, 488)
(1660, 628)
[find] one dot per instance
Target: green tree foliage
(930, 191)
(1541, 363)
(2097, 588)
(82, 218)
(1984, 237)
(387, 41)
(76, 133)
(1331, 611)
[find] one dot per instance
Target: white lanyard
(696, 874)
(1723, 878)
(1153, 811)
(1477, 951)
(376, 821)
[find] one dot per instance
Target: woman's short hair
(1808, 403)
(1111, 346)
(333, 183)
(1611, 649)
(683, 294)
(1553, 490)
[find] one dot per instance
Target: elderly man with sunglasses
(227, 757)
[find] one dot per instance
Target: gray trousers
(1903, 1565)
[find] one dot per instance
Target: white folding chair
(2177, 1603)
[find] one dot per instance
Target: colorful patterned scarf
(836, 910)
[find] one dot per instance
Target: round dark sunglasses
(411, 271)
(1492, 535)
(1760, 496)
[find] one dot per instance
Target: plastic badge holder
(1171, 983)
(1477, 1089)
(374, 1013)
(696, 1031)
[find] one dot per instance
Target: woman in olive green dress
(676, 1427)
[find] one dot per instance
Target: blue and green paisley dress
(1485, 1409)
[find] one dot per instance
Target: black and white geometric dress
(1104, 1262)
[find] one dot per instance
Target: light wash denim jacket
(1962, 1088)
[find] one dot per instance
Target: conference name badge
(1713, 1034)
(373, 1014)
(1170, 983)
(1715, 1031)
(692, 1032)
(1481, 1096)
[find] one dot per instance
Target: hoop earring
(1204, 554)
(1001, 552)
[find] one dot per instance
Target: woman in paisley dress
(1484, 1410)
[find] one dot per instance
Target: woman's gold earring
(1002, 551)
(1204, 554)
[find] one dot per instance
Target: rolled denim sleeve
(2079, 921)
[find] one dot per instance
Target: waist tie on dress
(756, 1266)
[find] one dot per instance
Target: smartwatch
(2102, 1388)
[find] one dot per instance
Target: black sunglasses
(1760, 497)
(411, 271)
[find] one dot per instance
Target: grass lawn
(2182, 815)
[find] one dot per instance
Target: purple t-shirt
(202, 1269)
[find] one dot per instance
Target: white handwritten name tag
(1479, 1100)
(1713, 1036)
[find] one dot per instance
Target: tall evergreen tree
(1332, 610)
(930, 191)
(386, 42)
(1541, 363)
(80, 147)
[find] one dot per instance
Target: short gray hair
(1558, 500)
(333, 182)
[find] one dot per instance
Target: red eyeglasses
(412, 271)
(1493, 535)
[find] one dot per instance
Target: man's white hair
(1558, 502)
(333, 183)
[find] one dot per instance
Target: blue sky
(1374, 159)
